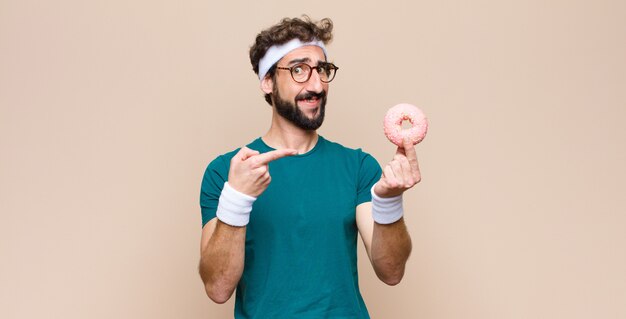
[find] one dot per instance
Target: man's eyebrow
(299, 60)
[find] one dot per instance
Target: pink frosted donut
(393, 124)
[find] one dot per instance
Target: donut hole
(406, 124)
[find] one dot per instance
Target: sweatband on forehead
(277, 52)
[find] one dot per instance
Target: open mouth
(310, 99)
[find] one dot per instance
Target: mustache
(311, 95)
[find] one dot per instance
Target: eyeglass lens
(302, 72)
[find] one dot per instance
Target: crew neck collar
(263, 147)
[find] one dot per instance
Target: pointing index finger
(265, 158)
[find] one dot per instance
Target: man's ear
(267, 85)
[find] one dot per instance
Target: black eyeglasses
(301, 72)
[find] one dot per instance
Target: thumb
(245, 153)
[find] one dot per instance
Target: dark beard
(293, 114)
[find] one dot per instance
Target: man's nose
(314, 84)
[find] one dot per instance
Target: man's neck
(284, 134)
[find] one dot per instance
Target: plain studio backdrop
(111, 110)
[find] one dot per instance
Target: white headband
(277, 52)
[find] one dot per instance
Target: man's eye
(325, 69)
(298, 70)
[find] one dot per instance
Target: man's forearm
(222, 261)
(391, 247)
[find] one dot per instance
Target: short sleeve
(213, 181)
(369, 174)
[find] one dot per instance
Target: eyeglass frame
(317, 68)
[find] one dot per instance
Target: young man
(281, 215)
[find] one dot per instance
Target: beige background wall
(111, 110)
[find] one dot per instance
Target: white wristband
(234, 207)
(386, 210)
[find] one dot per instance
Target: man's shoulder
(338, 147)
(352, 157)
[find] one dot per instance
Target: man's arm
(385, 236)
(221, 259)
(388, 246)
(222, 248)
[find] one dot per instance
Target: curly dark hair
(285, 31)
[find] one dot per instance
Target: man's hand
(401, 173)
(249, 173)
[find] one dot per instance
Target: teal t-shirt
(300, 255)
